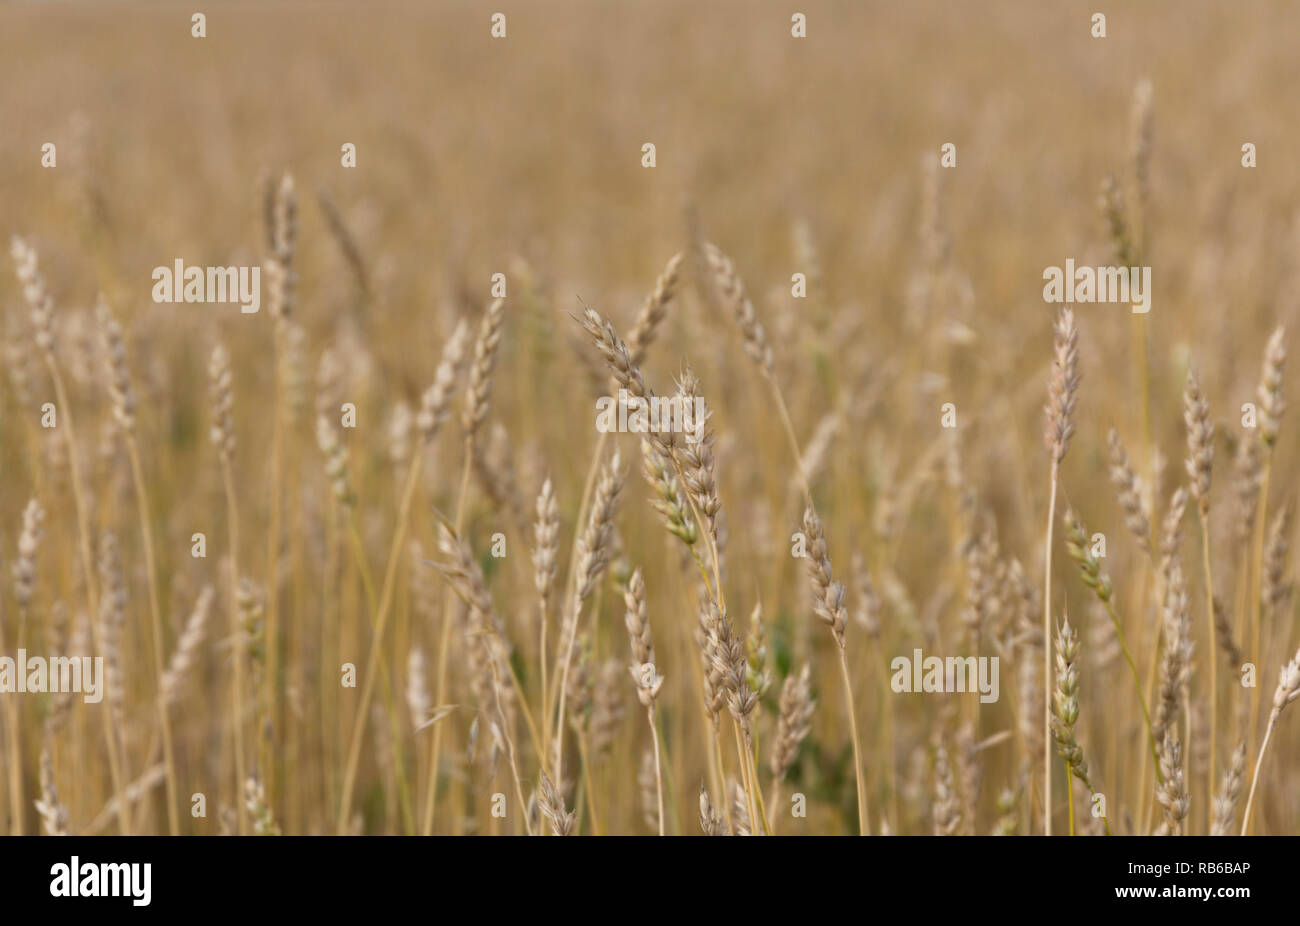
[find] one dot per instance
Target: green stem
(1069, 793)
(1137, 682)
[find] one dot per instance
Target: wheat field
(364, 561)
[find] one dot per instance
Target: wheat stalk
(1288, 690)
(124, 403)
(828, 607)
(477, 398)
(41, 306)
(1271, 406)
(1062, 391)
(1225, 804)
(792, 728)
(1200, 459)
(592, 554)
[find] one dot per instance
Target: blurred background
(522, 155)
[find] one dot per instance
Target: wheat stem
(444, 645)
(864, 821)
(155, 619)
(1047, 656)
(1254, 780)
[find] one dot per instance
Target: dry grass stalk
(479, 392)
(41, 307)
(1275, 591)
(710, 822)
(645, 674)
(1062, 392)
(654, 310)
(740, 825)
(1288, 690)
(222, 434)
(1271, 406)
(336, 461)
(54, 816)
(794, 723)
(592, 554)
(187, 647)
(695, 455)
(1175, 663)
(1066, 703)
(281, 206)
(123, 401)
(731, 291)
(828, 607)
(1225, 805)
(828, 594)
(24, 567)
(1171, 791)
(1223, 634)
(1200, 460)
(1079, 546)
(546, 535)
(947, 807)
(435, 404)
(670, 501)
(259, 812)
(1128, 488)
(552, 805)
